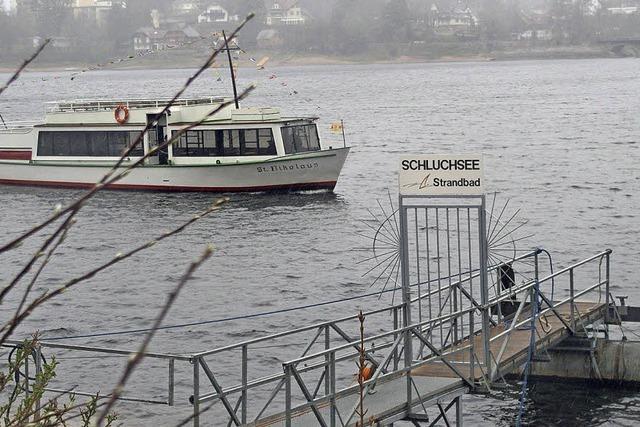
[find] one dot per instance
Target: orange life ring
(121, 114)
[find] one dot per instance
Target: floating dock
(474, 309)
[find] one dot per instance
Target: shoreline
(178, 60)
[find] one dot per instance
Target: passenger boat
(238, 149)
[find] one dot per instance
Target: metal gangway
(472, 311)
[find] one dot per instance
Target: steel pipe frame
(333, 325)
(523, 288)
(340, 320)
(38, 366)
(331, 353)
(377, 377)
(88, 349)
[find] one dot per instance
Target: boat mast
(233, 75)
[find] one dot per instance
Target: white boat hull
(309, 171)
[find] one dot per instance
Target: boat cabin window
(87, 143)
(234, 142)
(300, 138)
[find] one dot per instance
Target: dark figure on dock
(507, 276)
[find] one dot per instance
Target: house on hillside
(459, 22)
(149, 38)
(10, 7)
(185, 7)
(537, 25)
(217, 14)
(285, 12)
(184, 11)
(626, 10)
(94, 12)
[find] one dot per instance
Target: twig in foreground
(137, 357)
(10, 326)
(44, 263)
(100, 185)
(62, 230)
(75, 208)
(24, 65)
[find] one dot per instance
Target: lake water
(561, 141)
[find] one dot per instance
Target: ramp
(389, 401)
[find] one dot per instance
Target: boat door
(157, 136)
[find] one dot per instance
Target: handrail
(472, 275)
(19, 125)
(353, 317)
(108, 104)
(383, 335)
(88, 349)
(550, 308)
(280, 375)
(293, 332)
(528, 285)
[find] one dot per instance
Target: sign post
(423, 179)
(441, 176)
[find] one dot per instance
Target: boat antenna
(3, 122)
(233, 75)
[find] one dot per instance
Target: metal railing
(40, 348)
(18, 126)
(316, 366)
(110, 104)
(319, 377)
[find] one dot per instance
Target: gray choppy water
(561, 139)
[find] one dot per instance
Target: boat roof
(83, 105)
(184, 111)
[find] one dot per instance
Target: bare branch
(197, 414)
(13, 324)
(44, 263)
(177, 136)
(24, 65)
(137, 357)
(109, 179)
(27, 267)
(106, 179)
(80, 202)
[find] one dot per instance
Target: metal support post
(196, 391)
(172, 382)
(472, 349)
(245, 362)
(27, 391)
(459, 416)
(396, 325)
(287, 397)
(484, 286)
(332, 389)
(406, 299)
(608, 277)
(572, 302)
(38, 363)
(327, 361)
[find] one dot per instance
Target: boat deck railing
(18, 126)
(84, 105)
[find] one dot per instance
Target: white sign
(441, 175)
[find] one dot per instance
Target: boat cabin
(99, 131)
